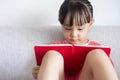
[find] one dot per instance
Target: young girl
(76, 18)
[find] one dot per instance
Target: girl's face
(75, 34)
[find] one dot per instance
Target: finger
(36, 68)
(34, 75)
(35, 72)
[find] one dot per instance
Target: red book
(74, 55)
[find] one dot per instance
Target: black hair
(82, 9)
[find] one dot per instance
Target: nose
(73, 33)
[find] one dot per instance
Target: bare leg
(52, 67)
(97, 66)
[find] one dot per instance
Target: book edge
(72, 45)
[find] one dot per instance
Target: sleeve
(93, 43)
(57, 42)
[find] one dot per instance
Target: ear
(91, 23)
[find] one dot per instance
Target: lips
(74, 40)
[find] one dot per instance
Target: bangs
(79, 15)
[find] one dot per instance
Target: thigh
(86, 72)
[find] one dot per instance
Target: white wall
(45, 12)
(106, 12)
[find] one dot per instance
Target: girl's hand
(35, 71)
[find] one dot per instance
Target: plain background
(20, 13)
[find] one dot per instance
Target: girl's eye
(80, 29)
(67, 29)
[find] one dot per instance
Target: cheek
(82, 34)
(66, 34)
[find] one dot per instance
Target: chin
(74, 43)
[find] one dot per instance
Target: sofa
(17, 47)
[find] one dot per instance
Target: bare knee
(53, 53)
(97, 53)
(53, 56)
(98, 56)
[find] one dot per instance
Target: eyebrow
(78, 27)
